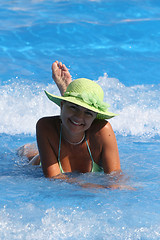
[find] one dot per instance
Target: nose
(79, 115)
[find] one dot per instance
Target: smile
(75, 123)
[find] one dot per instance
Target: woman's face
(75, 118)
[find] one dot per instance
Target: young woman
(80, 139)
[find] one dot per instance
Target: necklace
(75, 143)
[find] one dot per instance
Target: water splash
(138, 106)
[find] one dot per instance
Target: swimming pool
(117, 44)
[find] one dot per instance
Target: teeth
(75, 122)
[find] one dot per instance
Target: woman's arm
(110, 154)
(87, 185)
(48, 158)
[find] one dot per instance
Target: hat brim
(100, 114)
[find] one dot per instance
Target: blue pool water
(116, 43)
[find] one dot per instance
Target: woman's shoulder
(101, 129)
(100, 125)
(48, 122)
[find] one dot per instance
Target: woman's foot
(61, 76)
(28, 150)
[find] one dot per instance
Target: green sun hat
(85, 93)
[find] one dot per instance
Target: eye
(88, 113)
(73, 107)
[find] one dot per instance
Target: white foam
(22, 104)
(138, 107)
(72, 223)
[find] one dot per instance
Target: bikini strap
(59, 150)
(89, 150)
(95, 166)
